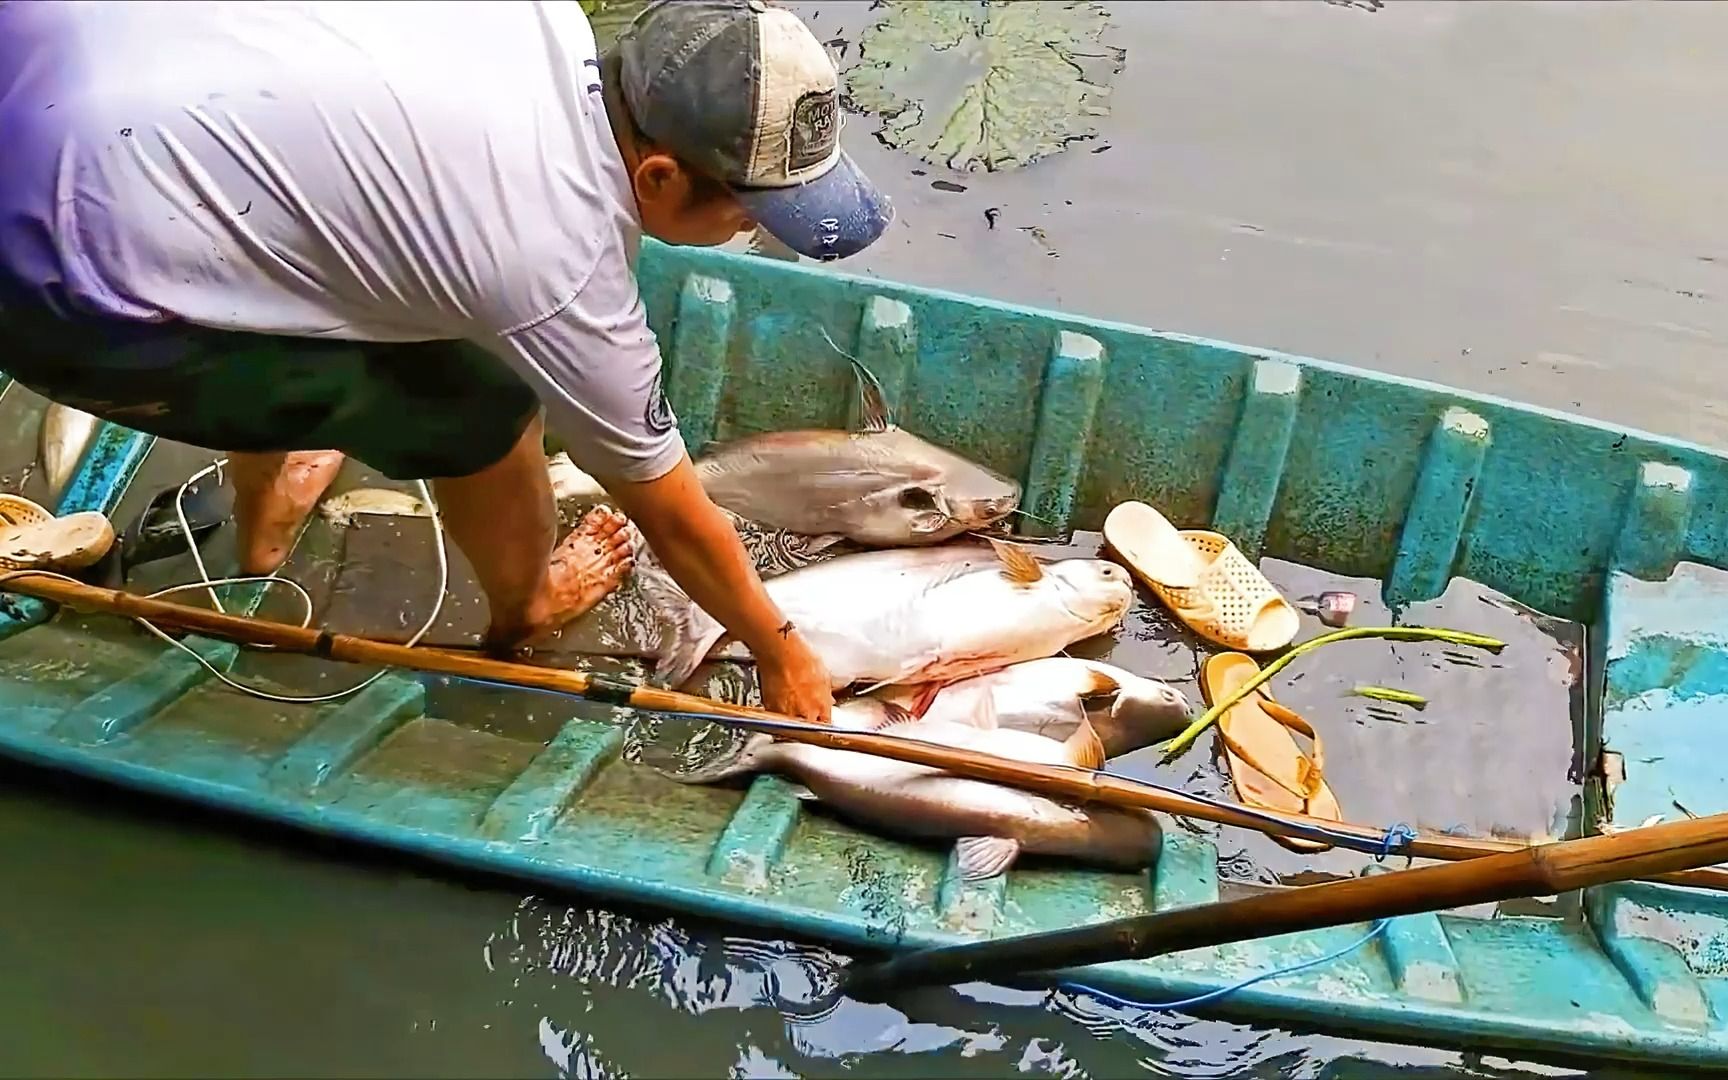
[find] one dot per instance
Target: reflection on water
(600, 968)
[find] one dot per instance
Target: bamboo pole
(1056, 781)
(1659, 850)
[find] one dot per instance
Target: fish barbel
(992, 824)
(912, 615)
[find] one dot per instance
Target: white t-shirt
(382, 171)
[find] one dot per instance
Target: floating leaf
(973, 84)
(1386, 693)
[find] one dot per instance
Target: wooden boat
(1341, 469)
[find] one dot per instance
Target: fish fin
(1084, 749)
(986, 720)
(893, 716)
(982, 857)
(687, 632)
(1100, 684)
(926, 522)
(926, 697)
(1018, 565)
(745, 757)
(1100, 690)
(873, 415)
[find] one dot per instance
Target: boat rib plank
(1067, 410)
(1658, 512)
(698, 358)
(531, 806)
(1439, 507)
(120, 707)
(756, 835)
(347, 733)
(1259, 453)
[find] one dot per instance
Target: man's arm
(701, 550)
(595, 365)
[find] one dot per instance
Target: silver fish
(61, 440)
(1053, 697)
(992, 824)
(880, 486)
(341, 510)
(913, 614)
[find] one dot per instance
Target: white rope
(209, 584)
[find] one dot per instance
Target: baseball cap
(743, 91)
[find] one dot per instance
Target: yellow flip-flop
(31, 538)
(1203, 579)
(1267, 767)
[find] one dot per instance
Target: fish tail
(744, 757)
(687, 632)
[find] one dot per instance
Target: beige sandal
(31, 538)
(1203, 579)
(1266, 766)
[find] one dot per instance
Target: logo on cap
(815, 132)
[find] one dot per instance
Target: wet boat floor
(1497, 750)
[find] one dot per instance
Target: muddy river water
(1523, 199)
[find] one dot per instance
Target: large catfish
(879, 486)
(992, 823)
(912, 615)
(1054, 697)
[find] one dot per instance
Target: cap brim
(838, 214)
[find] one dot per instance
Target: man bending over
(404, 232)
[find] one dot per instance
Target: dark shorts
(415, 411)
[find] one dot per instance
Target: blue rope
(1215, 995)
(1394, 839)
(1397, 838)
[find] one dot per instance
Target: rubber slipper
(1203, 579)
(1267, 767)
(31, 538)
(156, 534)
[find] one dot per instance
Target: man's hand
(794, 680)
(702, 552)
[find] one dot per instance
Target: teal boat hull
(1313, 462)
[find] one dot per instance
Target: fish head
(927, 494)
(1137, 713)
(1097, 593)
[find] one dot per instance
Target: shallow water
(1515, 198)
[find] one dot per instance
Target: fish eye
(917, 498)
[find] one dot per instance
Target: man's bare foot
(592, 561)
(274, 495)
